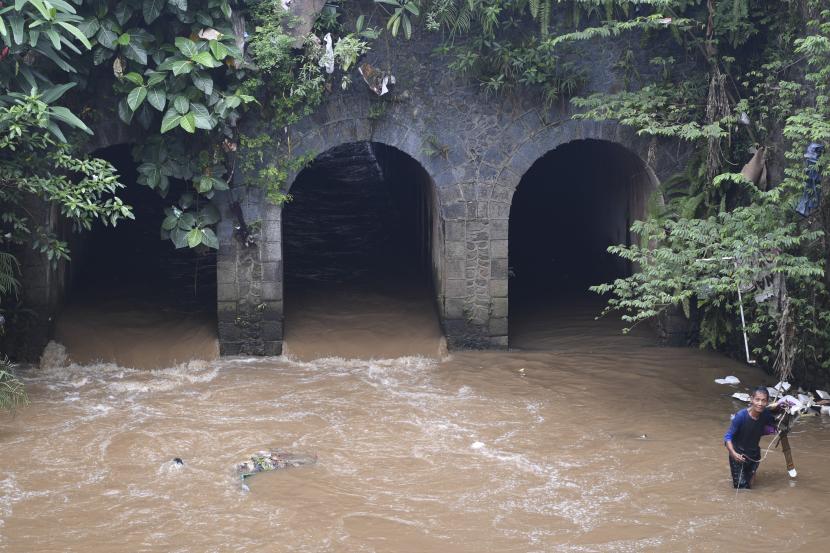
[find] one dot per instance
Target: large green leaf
(124, 111)
(205, 59)
(107, 38)
(123, 11)
(186, 221)
(54, 93)
(181, 4)
(89, 27)
(181, 67)
(170, 120)
(134, 78)
(179, 238)
(188, 122)
(186, 46)
(181, 104)
(136, 52)
(77, 33)
(65, 116)
(202, 82)
(152, 9)
(16, 23)
(219, 50)
(156, 77)
(202, 116)
(170, 222)
(136, 97)
(209, 238)
(123, 39)
(157, 97)
(194, 237)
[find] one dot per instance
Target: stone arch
(571, 203)
(251, 280)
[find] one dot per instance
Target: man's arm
(737, 421)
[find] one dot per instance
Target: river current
(578, 440)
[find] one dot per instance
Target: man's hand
(737, 456)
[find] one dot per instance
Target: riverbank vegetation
(728, 77)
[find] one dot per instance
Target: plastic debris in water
(477, 445)
(742, 396)
(728, 380)
(274, 459)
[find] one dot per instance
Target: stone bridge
(485, 147)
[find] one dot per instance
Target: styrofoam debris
(793, 473)
(773, 392)
(805, 399)
(741, 396)
(728, 380)
(825, 410)
(822, 394)
(477, 445)
(783, 386)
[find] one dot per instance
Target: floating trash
(728, 380)
(274, 459)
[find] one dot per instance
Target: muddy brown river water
(582, 440)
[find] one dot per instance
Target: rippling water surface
(583, 440)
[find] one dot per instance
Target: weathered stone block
(271, 231)
(455, 288)
(498, 327)
(271, 331)
(229, 332)
(498, 268)
(455, 231)
(229, 348)
(499, 308)
(498, 288)
(454, 308)
(455, 268)
(271, 290)
(498, 342)
(499, 229)
(498, 249)
(272, 348)
(457, 250)
(271, 251)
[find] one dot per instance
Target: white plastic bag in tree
(327, 60)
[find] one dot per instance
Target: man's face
(759, 402)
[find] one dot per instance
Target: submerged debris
(274, 459)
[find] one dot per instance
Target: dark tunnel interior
(360, 211)
(572, 204)
(131, 261)
(358, 256)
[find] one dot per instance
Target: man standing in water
(744, 434)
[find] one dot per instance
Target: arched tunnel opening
(572, 204)
(132, 297)
(359, 269)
